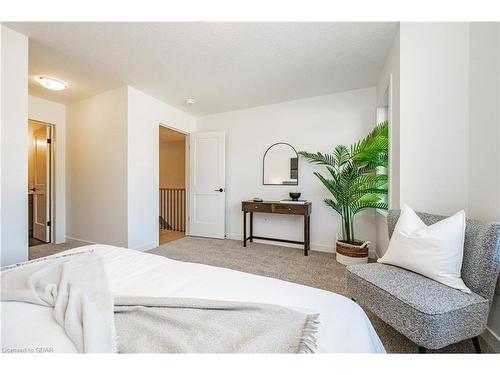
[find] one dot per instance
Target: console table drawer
(256, 207)
(290, 209)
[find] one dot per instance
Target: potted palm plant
(357, 181)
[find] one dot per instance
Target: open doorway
(40, 167)
(172, 183)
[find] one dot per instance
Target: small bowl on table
(294, 196)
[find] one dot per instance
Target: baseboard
(314, 246)
(144, 247)
(492, 339)
(78, 239)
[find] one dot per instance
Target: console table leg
(251, 226)
(308, 232)
(244, 229)
(306, 235)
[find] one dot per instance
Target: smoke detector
(189, 101)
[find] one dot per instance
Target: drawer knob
(289, 209)
(256, 206)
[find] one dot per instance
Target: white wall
(450, 123)
(172, 166)
(484, 133)
(14, 147)
(96, 168)
(313, 124)
(434, 117)
(391, 70)
(1, 131)
(145, 114)
(112, 166)
(54, 113)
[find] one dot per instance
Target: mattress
(344, 327)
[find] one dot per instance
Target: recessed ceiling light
(51, 83)
(189, 101)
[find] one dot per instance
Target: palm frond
(354, 182)
(378, 205)
(375, 144)
(341, 155)
(334, 205)
(335, 188)
(319, 158)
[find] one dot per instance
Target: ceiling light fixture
(189, 101)
(51, 83)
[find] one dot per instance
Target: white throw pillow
(435, 251)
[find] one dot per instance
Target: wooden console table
(271, 207)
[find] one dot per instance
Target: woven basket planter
(352, 253)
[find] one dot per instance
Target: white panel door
(207, 184)
(41, 193)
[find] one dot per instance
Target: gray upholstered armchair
(431, 314)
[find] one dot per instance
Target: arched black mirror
(280, 165)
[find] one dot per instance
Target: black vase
(294, 196)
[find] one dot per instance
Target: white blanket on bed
(344, 327)
(77, 289)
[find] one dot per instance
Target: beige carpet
(50, 248)
(319, 270)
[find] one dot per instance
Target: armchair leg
(475, 341)
(422, 350)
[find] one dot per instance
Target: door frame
(157, 177)
(52, 174)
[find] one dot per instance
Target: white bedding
(344, 327)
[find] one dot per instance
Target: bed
(344, 327)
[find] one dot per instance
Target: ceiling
(224, 66)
